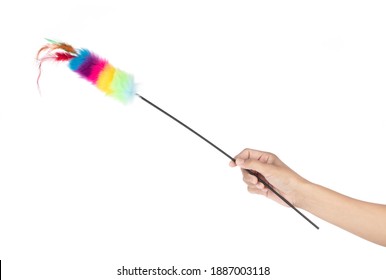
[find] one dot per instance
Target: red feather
(59, 56)
(52, 53)
(63, 56)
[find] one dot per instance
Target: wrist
(302, 195)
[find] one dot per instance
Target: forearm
(367, 220)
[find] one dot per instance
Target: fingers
(249, 179)
(254, 154)
(249, 159)
(252, 181)
(257, 190)
(250, 153)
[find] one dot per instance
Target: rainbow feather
(98, 71)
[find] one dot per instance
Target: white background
(88, 185)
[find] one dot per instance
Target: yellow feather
(105, 79)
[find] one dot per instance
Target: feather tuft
(98, 71)
(54, 51)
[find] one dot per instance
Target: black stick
(259, 176)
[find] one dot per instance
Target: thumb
(254, 164)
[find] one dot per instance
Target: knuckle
(272, 155)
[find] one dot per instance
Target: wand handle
(259, 177)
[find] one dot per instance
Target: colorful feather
(98, 71)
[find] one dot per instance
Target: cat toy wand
(120, 85)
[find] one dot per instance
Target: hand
(365, 219)
(279, 175)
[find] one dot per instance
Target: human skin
(364, 219)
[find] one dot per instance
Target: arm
(364, 219)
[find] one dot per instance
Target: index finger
(246, 154)
(249, 154)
